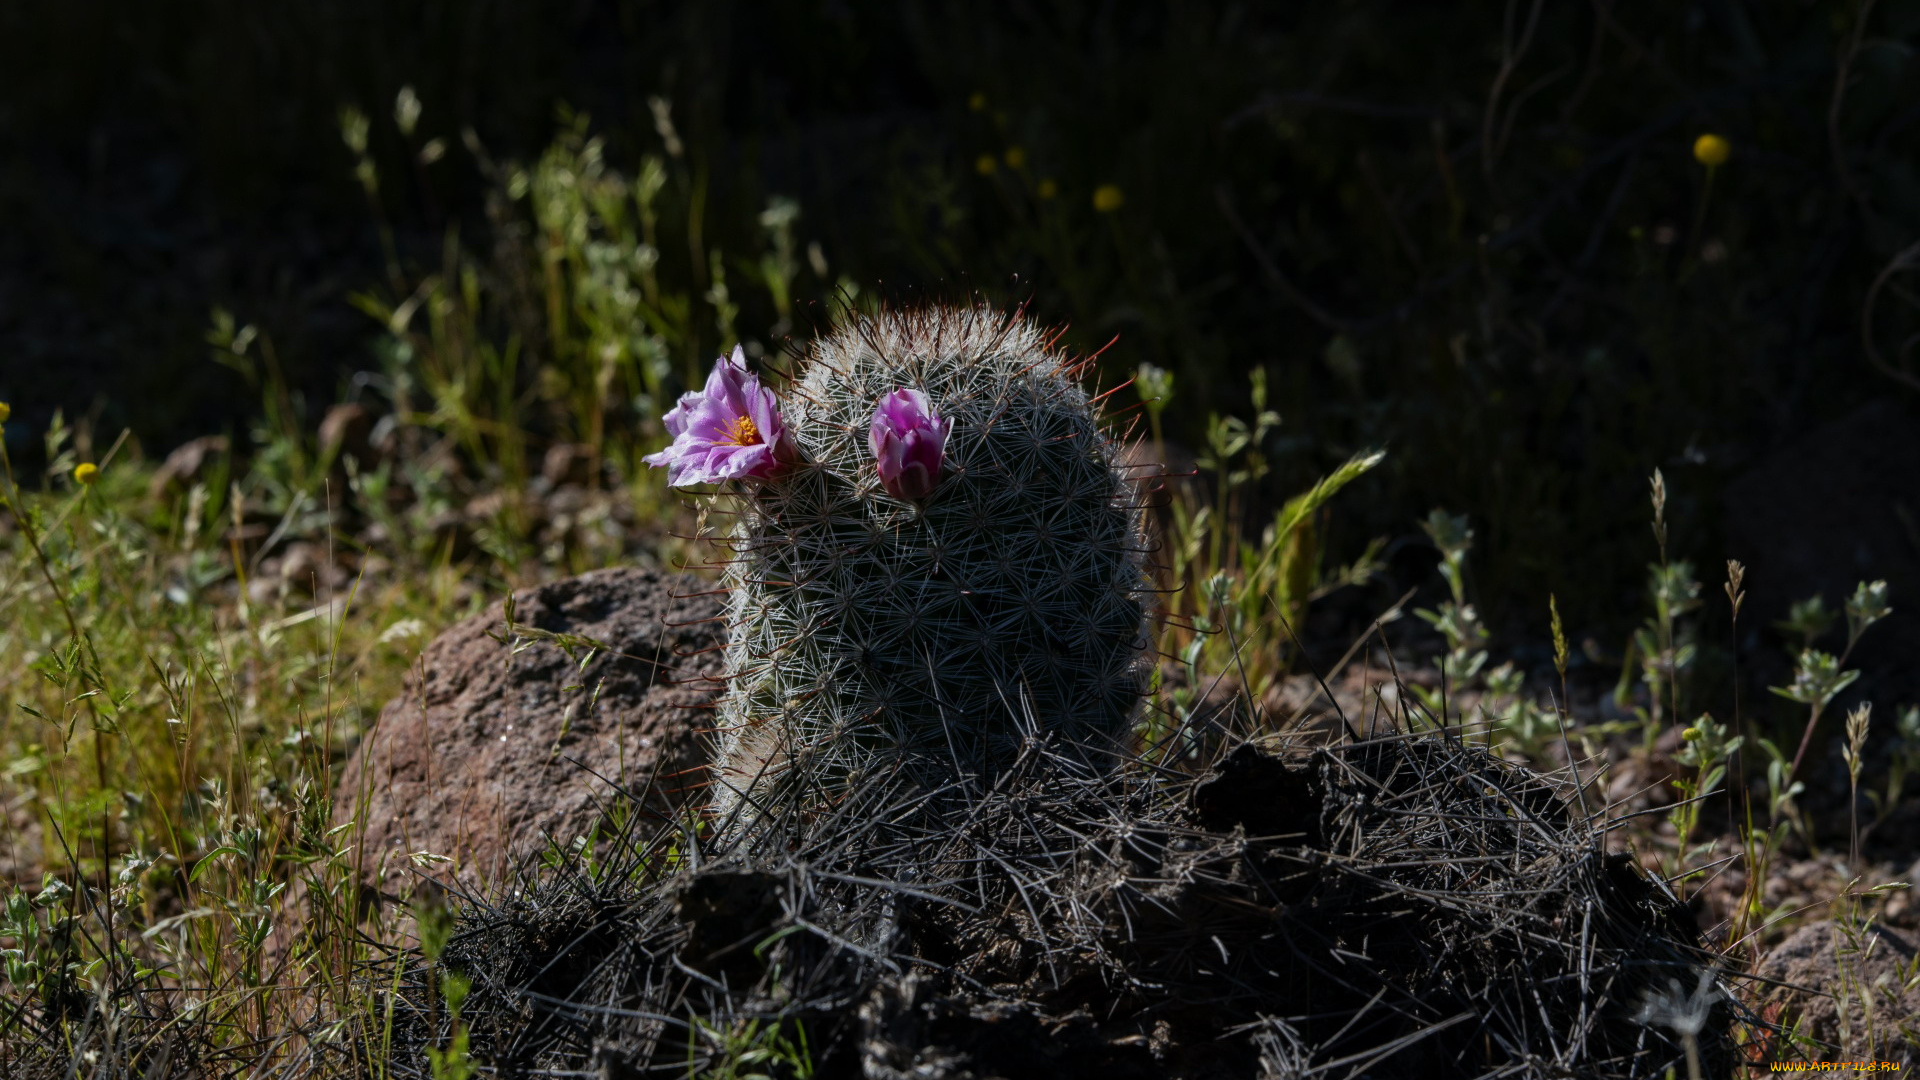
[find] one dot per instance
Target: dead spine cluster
(872, 634)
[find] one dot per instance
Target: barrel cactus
(936, 561)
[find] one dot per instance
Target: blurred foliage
(1480, 235)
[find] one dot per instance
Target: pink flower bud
(909, 443)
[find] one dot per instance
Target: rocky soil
(506, 742)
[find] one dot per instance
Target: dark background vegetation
(1473, 232)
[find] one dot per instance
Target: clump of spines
(872, 634)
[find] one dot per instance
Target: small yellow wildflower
(985, 165)
(1711, 150)
(1107, 198)
(85, 472)
(1015, 157)
(5, 411)
(1691, 734)
(978, 102)
(1047, 189)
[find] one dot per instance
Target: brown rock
(1142, 461)
(568, 463)
(347, 429)
(1902, 908)
(1859, 994)
(313, 568)
(184, 465)
(492, 748)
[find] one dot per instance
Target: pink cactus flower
(909, 442)
(730, 430)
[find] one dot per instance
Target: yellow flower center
(742, 432)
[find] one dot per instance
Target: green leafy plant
(1820, 676)
(1243, 620)
(753, 1050)
(1706, 748)
(1455, 618)
(1903, 764)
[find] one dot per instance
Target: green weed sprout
(1454, 618)
(1526, 728)
(1903, 764)
(1820, 676)
(1705, 750)
(1253, 592)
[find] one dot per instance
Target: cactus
(873, 636)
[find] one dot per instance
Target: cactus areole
(945, 569)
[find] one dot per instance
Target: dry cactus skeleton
(936, 559)
(1403, 906)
